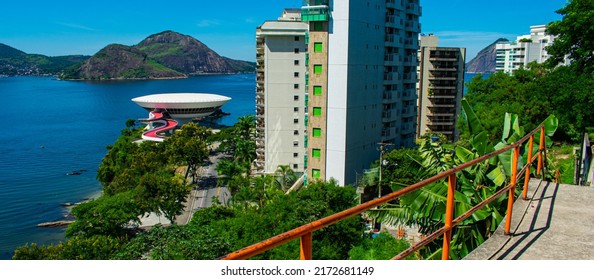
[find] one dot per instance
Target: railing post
(529, 163)
(306, 246)
(541, 147)
(510, 200)
(447, 235)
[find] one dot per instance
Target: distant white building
(527, 48)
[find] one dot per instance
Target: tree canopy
(575, 36)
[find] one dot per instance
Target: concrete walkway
(556, 223)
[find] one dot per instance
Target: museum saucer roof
(181, 98)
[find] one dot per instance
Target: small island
(165, 55)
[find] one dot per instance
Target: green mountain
(188, 55)
(120, 62)
(17, 62)
(164, 55)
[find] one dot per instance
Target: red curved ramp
(153, 134)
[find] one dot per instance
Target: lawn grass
(563, 159)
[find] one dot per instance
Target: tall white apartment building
(361, 65)
(526, 48)
(280, 92)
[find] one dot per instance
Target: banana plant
(425, 208)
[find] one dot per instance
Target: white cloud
(207, 23)
(76, 26)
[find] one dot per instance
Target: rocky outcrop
(61, 223)
(484, 62)
(188, 55)
(121, 62)
(164, 55)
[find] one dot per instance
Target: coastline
(33, 179)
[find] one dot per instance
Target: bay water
(53, 127)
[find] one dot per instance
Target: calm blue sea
(52, 127)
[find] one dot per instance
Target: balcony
(408, 112)
(443, 58)
(387, 116)
(315, 13)
(441, 86)
(410, 60)
(415, 9)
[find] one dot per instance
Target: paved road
(206, 188)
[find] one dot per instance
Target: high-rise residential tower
(441, 86)
(527, 48)
(361, 65)
(280, 92)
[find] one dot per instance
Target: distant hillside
(164, 55)
(188, 55)
(484, 62)
(120, 62)
(17, 62)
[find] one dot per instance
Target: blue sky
(64, 27)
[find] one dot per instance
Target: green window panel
(317, 90)
(319, 26)
(318, 47)
(315, 173)
(317, 69)
(316, 153)
(317, 111)
(317, 132)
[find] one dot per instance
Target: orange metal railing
(305, 232)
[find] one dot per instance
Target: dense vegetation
(142, 178)
(16, 62)
(534, 93)
(558, 96)
(542, 90)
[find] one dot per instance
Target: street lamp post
(382, 162)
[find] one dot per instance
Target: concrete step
(556, 223)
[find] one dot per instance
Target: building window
(296, 38)
(295, 109)
(295, 143)
(316, 153)
(295, 154)
(296, 74)
(315, 173)
(295, 132)
(318, 26)
(317, 69)
(296, 62)
(296, 50)
(317, 90)
(317, 132)
(317, 111)
(295, 166)
(296, 86)
(295, 120)
(318, 47)
(296, 97)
